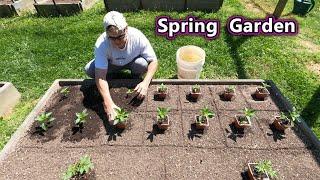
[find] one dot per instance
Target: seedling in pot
(121, 119)
(229, 93)
(163, 121)
(202, 120)
(195, 92)
(283, 122)
(44, 120)
(262, 93)
(162, 91)
(262, 170)
(79, 170)
(243, 121)
(65, 91)
(81, 118)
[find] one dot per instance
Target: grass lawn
(36, 51)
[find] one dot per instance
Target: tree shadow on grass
(234, 43)
(311, 111)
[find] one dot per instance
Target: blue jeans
(138, 67)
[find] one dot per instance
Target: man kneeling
(121, 47)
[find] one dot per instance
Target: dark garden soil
(143, 151)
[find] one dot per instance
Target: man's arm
(142, 88)
(103, 87)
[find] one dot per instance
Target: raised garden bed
(122, 5)
(61, 7)
(7, 9)
(163, 5)
(219, 151)
(204, 5)
(9, 96)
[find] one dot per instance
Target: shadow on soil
(276, 134)
(195, 133)
(235, 133)
(155, 131)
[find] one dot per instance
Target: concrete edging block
(9, 97)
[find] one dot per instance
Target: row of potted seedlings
(281, 122)
(261, 170)
(229, 93)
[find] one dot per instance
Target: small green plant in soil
(162, 114)
(291, 118)
(81, 118)
(44, 120)
(195, 88)
(162, 88)
(230, 89)
(246, 117)
(122, 116)
(130, 91)
(205, 113)
(79, 169)
(265, 167)
(265, 85)
(65, 91)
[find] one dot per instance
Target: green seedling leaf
(162, 113)
(265, 167)
(196, 88)
(81, 117)
(162, 88)
(83, 166)
(249, 113)
(265, 85)
(121, 117)
(44, 120)
(65, 91)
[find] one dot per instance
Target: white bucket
(190, 60)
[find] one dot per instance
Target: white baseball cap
(116, 19)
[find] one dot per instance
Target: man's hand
(111, 112)
(141, 89)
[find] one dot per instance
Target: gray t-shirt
(137, 45)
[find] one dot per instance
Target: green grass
(36, 51)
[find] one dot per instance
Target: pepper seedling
(80, 168)
(81, 118)
(44, 120)
(121, 117)
(230, 89)
(162, 88)
(204, 114)
(65, 91)
(195, 88)
(162, 113)
(265, 167)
